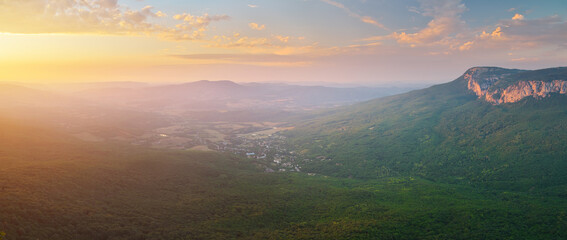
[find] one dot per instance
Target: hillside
(55, 187)
(402, 167)
(447, 133)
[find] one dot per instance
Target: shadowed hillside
(55, 187)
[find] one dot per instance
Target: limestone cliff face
(482, 81)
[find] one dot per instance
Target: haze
(298, 41)
(283, 119)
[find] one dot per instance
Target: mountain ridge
(443, 133)
(499, 85)
(228, 95)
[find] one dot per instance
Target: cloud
(541, 31)
(191, 27)
(523, 59)
(108, 3)
(191, 21)
(446, 21)
(414, 10)
(494, 35)
(160, 14)
(74, 16)
(282, 38)
(97, 17)
(518, 17)
(252, 6)
(237, 41)
(142, 15)
(442, 8)
(364, 19)
(515, 34)
(276, 44)
(256, 26)
(466, 46)
(251, 59)
(447, 34)
(522, 37)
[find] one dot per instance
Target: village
(269, 150)
(262, 143)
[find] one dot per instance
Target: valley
(92, 190)
(282, 119)
(255, 140)
(434, 163)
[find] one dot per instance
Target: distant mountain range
(125, 109)
(227, 95)
(439, 163)
(503, 128)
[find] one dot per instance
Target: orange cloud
(519, 33)
(97, 17)
(496, 34)
(466, 46)
(523, 59)
(277, 44)
(518, 17)
(237, 41)
(282, 38)
(436, 30)
(74, 16)
(446, 22)
(250, 59)
(191, 27)
(256, 26)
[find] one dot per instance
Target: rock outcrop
(497, 85)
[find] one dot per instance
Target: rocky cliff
(499, 85)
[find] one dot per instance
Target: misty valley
(283, 119)
(208, 116)
(221, 160)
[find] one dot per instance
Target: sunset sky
(369, 42)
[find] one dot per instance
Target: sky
(361, 42)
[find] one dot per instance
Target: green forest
(283, 120)
(444, 134)
(56, 188)
(429, 164)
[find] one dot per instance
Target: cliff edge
(500, 85)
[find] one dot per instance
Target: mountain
(15, 96)
(405, 167)
(230, 96)
(451, 132)
(498, 85)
